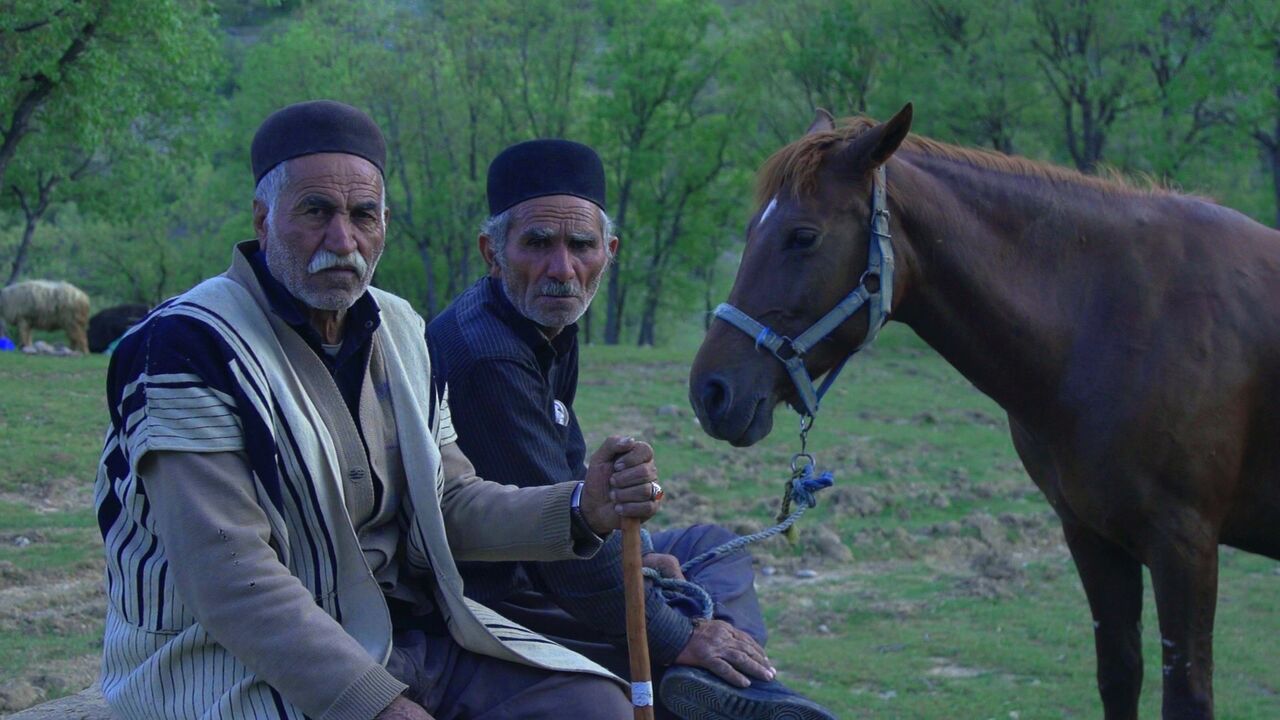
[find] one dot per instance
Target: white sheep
(46, 305)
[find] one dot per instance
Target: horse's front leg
(1112, 581)
(1184, 574)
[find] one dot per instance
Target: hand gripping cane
(637, 638)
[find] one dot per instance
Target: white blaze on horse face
(773, 202)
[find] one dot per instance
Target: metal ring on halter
(656, 492)
(797, 466)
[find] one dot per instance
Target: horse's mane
(796, 165)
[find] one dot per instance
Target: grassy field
(931, 582)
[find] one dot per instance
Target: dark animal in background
(1132, 336)
(46, 305)
(109, 324)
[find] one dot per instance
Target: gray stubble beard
(561, 321)
(292, 272)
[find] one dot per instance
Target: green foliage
(664, 131)
(102, 104)
(142, 113)
(982, 48)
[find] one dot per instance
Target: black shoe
(696, 694)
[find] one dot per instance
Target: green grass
(52, 415)
(891, 635)
(906, 629)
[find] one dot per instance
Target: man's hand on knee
(726, 651)
(402, 708)
(621, 481)
(668, 566)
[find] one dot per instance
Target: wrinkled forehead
(557, 213)
(346, 175)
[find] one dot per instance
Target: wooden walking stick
(637, 637)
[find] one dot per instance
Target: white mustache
(559, 289)
(326, 259)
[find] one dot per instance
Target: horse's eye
(801, 238)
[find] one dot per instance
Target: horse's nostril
(715, 397)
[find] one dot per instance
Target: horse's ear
(872, 148)
(822, 122)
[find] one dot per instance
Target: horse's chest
(1103, 497)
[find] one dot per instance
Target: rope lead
(801, 491)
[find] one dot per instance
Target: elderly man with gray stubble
(510, 344)
(282, 499)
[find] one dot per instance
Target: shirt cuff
(369, 695)
(585, 540)
(668, 630)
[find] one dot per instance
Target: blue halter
(879, 302)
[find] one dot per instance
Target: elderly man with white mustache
(509, 345)
(282, 500)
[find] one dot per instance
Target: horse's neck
(985, 282)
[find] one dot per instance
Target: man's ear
(260, 221)
(613, 246)
(487, 251)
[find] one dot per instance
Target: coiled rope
(801, 492)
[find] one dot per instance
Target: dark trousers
(453, 683)
(729, 580)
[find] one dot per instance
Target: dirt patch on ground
(50, 605)
(50, 680)
(64, 494)
(67, 605)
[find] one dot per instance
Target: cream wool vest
(154, 648)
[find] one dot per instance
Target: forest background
(124, 127)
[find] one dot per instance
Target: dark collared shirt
(351, 362)
(512, 391)
(511, 397)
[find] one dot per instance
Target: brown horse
(1132, 336)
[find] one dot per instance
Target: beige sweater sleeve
(492, 521)
(216, 538)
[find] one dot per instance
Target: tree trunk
(429, 299)
(20, 260)
(648, 320)
(616, 296)
(1274, 151)
(613, 309)
(44, 189)
(1275, 144)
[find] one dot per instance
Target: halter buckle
(785, 345)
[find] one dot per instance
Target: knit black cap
(545, 167)
(317, 126)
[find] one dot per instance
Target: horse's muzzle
(741, 423)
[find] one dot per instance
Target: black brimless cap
(538, 168)
(317, 126)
